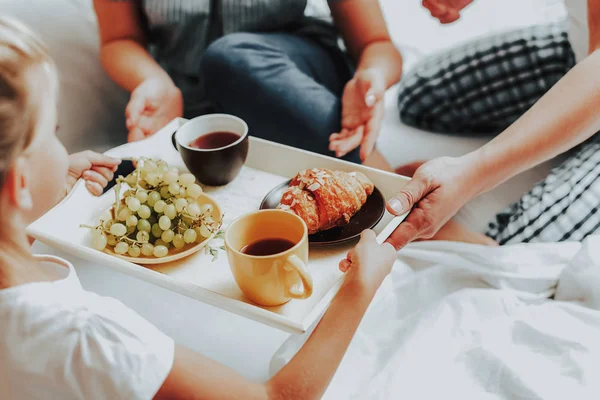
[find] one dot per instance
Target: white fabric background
(92, 107)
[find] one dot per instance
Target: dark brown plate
(369, 215)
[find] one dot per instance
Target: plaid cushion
(485, 85)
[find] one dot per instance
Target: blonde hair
(20, 51)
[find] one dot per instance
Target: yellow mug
(270, 280)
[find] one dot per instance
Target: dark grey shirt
(180, 30)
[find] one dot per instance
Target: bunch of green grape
(158, 212)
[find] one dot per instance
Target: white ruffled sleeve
(114, 353)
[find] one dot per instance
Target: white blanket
(459, 321)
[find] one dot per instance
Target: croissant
(325, 199)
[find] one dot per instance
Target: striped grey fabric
(180, 30)
(564, 206)
(485, 85)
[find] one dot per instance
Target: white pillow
(91, 108)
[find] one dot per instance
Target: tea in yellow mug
(268, 253)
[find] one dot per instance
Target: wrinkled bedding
(464, 321)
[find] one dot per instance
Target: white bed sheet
(442, 329)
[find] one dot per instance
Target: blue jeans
(287, 87)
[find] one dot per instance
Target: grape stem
(88, 226)
(115, 209)
(131, 241)
(123, 238)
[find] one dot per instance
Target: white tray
(268, 165)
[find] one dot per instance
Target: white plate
(188, 250)
(198, 276)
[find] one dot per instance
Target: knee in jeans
(229, 54)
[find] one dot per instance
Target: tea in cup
(213, 147)
(268, 253)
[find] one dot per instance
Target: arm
(310, 371)
(155, 100)
(123, 44)
(305, 377)
(564, 117)
(364, 30)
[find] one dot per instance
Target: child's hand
(369, 262)
(96, 169)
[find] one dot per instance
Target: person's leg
(377, 160)
(286, 87)
(564, 206)
(485, 85)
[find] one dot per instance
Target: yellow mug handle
(295, 263)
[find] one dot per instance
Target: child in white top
(62, 342)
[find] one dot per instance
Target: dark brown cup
(213, 167)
